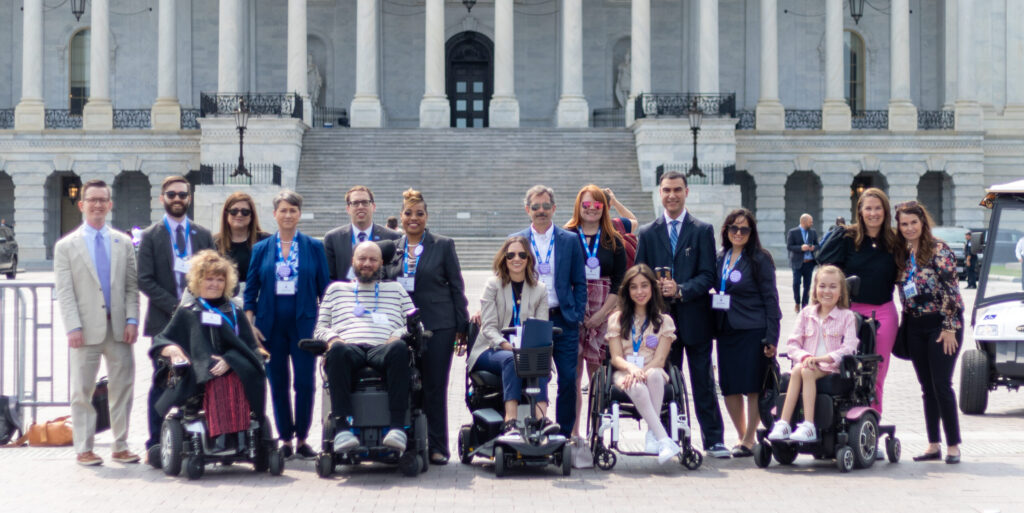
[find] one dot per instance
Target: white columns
(640, 55)
(770, 113)
(297, 62)
(949, 50)
(504, 109)
(435, 111)
(969, 115)
(1014, 58)
(98, 113)
(30, 112)
(835, 112)
(366, 110)
(229, 48)
(166, 112)
(902, 113)
(573, 110)
(707, 72)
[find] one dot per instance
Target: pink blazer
(840, 330)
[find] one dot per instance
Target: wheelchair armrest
(865, 358)
(314, 346)
(508, 331)
(556, 330)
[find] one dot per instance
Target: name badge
(210, 319)
(181, 265)
(516, 340)
(351, 276)
(636, 359)
(548, 281)
(593, 273)
(720, 301)
(910, 289)
(285, 288)
(409, 282)
(379, 318)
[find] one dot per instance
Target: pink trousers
(888, 322)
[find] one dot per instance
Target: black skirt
(740, 360)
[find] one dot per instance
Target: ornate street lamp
(469, 4)
(241, 120)
(696, 116)
(78, 9)
(856, 10)
(71, 190)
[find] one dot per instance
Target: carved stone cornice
(99, 143)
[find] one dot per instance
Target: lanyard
(183, 252)
(536, 250)
(726, 269)
(591, 253)
(405, 259)
(515, 308)
(292, 260)
(913, 268)
(376, 299)
(637, 341)
(805, 233)
(234, 313)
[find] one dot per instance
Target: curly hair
(209, 263)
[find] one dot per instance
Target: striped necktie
(673, 235)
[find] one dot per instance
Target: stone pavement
(988, 480)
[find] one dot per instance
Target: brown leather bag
(52, 433)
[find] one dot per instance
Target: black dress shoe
(952, 459)
(305, 452)
(286, 451)
(928, 456)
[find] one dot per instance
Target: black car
(8, 252)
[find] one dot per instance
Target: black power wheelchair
(484, 400)
(371, 418)
(847, 425)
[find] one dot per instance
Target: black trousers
(702, 385)
(344, 360)
(804, 272)
(154, 418)
(972, 271)
(934, 371)
(435, 368)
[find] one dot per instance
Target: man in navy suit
(339, 242)
(685, 246)
(801, 243)
(560, 267)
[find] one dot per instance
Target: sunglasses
(360, 203)
(742, 230)
(171, 194)
(596, 205)
(512, 254)
(244, 212)
(537, 206)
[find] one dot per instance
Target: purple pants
(888, 322)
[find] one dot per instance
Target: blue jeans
(502, 362)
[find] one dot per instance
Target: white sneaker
(395, 439)
(780, 431)
(651, 443)
(667, 449)
(345, 441)
(805, 432)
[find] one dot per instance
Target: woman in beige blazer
(510, 297)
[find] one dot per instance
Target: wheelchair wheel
(324, 465)
(276, 463)
(844, 459)
(262, 461)
(691, 458)
(893, 449)
(566, 460)
(153, 456)
(194, 467)
(864, 441)
(604, 458)
(171, 436)
(409, 464)
(465, 432)
(762, 455)
(499, 462)
(785, 454)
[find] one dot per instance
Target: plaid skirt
(592, 343)
(227, 409)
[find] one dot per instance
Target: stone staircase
(473, 180)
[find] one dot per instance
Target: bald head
(366, 261)
(806, 221)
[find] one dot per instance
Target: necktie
(674, 235)
(362, 237)
(103, 268)
(179, 236)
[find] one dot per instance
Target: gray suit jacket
(156, 272)
(496, 313)
(338, 246)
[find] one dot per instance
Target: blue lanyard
(376, 296)
(292, 260)
(515, 312)
(726, 269)
(536, 250)
(637, 341)
(183, 252)
(913, 269)
(234, 313)
(591, 253)
(405, 259)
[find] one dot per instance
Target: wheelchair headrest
(853, 284)
(387, 250)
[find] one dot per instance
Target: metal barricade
(30, 362)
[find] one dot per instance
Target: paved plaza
(990, 479)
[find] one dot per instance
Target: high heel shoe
(929, 456)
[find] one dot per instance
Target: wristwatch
(679, 292)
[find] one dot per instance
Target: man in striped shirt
(363, 322)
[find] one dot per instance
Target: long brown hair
(858, 231)
(627, 307)
(610, 238)
(925, 244)
(500, 265)
(223, 239)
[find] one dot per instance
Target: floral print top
(938, 289)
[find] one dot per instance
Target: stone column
(707, 73)
(949, 58)
(435, 111)
(229, 48)
(969, 116)
(640, 55)
(98, 113)
(504, 109)
(1014, 58)
(835, 112)
(166, 113)
(902, 113)
(771, 115)
(573, 110)
(366, 110)
(297, 60)
(30, 113)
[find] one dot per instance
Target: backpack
(10, 420)
(630, 240)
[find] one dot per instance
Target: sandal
(437, 458)
(741, 451)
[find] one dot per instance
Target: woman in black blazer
(747, 315)
(427, 266)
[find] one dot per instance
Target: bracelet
(953, 331)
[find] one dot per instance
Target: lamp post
(469, 5)
(241, 120)
(856, 10)
(78, 9)
(696, 116)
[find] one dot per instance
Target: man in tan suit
(96, 279)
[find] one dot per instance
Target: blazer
(439, 292)
(338, 247)
(794, 240)
(754, 299)
(496, 313)
(261, 284)
(693, 269)
(157, 279)
(570, 277)
(80, 293)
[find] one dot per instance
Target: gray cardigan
(496, 313)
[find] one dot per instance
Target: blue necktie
(103, 268)
(362, 237)
(673, 235)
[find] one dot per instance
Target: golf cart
(998, 315)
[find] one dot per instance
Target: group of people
(235, 305)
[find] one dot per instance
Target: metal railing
(190, 119)
(6, 118)
(714, 174)
(224, 173)
(329, 117)
(259, 104)
(869, 120)
(61, 119)
(28, 355)
(132, 118)
(935, 120)
(803, 119)
(746, 120)
(654, 105)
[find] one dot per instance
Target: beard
(176, 209)
(367, 276)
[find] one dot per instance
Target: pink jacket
(840, 328)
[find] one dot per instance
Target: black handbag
(901, 347)
(769, 395)
(10, 420)
(101, 404)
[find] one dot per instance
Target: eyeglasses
(171, 194)
(360, 203)
(537, 206)
(596, 205)
(512, 254)
(244, 212)
(96, 201)
(742, 230)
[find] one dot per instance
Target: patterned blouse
(938, 290)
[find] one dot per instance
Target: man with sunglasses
(560, 268)
(339, 242)
(164, 253)
(802, 241)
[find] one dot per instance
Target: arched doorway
(803, 195)
(63, 189)
(6, 199)
(748, 190)
(865, 180)
(78, 71)
(470, 78)
(935, 192)
(131, 201)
